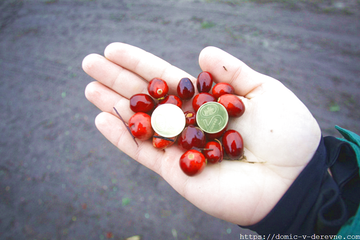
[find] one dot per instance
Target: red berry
(190, 117)
(213, 136)
(202, 98)
(185, 89)
(233, 144)
(158, 88)
(192, 162)
(191, 137)
(204, 82)
(142, 103)
(162, 142)
(216, 154)
(171, 99)
(140, 126)
(234, 106)
(221, 89)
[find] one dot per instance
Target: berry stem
(165, 138)
(206, 149)
(202, 149)
(127, 127)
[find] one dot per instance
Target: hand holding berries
(281, 133)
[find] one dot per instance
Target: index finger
(145, 64)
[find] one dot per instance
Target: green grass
(206, 24)
(126, 201)
(334, 107)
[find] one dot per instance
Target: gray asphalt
(61, 179)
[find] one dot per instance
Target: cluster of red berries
(201, 147)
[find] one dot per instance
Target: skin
(280, 134)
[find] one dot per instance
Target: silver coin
(168, 120)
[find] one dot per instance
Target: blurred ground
(61, 179)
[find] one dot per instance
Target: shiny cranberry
(221, 89)
(158, 88)
(204, 82)
(213, 136)
(213, 152)
(171, 99)
(190, 117)
(191, 137)
(162, 142)
(142, 103)
(192, 162)
(185, 89)
(233, 104)
(202, 98)
(140, 126)
(233, 144)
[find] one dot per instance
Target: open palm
(280, 134)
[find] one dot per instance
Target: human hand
(280, 134)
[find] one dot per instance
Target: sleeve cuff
(322, 198)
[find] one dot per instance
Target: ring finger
(106, 99)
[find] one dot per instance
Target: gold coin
(212, 117)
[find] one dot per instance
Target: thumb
(227, 68)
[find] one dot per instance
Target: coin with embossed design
(212, 117)
(168, 120)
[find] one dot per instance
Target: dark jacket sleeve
(322, 198)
